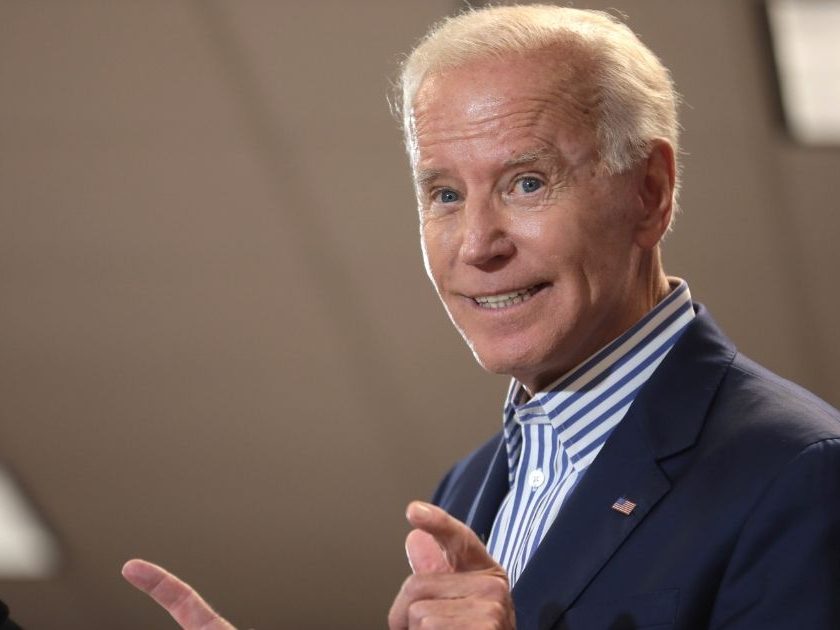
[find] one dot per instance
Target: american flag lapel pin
(624, 505)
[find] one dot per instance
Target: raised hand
(456, 583)
(178, 598)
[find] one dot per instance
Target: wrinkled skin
(512, 197)
(455, 583)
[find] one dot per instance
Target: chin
(512, 361)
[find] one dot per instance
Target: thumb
(461, 547)
(424, 554)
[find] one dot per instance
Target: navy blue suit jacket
(736, 477)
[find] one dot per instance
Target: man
(647, 475)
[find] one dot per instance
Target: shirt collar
(570, 391)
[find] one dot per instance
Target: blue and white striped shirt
(555, 435)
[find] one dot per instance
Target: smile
(504, 300)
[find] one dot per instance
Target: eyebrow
(536, 155)
(424, 176)
(549, 154)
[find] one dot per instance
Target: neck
(653, 281)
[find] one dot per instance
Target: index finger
(463, 549)
(178, 598)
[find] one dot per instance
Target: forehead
(540, 97)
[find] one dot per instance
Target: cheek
(580, 253)
(536, 226)
(430, 247)
(554, 238)
(440, 247)
(427, 263)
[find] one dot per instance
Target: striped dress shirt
(552, 437)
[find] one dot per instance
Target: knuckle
(417, 615)
(396, 612)
(429, 623)
(410, 587)
(417, 587)
(495, 588)
(393, 617)
(397, 618)
(498, 611)
(499, 589)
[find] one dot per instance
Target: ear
(656, 192)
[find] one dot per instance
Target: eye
(446, 195)
(528, 185)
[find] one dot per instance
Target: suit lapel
(665, 419)
(588, 531)
(478, 489)
(494, 489)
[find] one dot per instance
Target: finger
(425, 554)
(178, 598)
(464, 589)
(463, 550)
(474, 614)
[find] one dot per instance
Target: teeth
(505, 299)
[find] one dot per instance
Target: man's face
(529, 243)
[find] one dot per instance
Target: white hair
(636, 100)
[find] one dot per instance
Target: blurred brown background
(219, 349)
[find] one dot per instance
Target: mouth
(506, 300)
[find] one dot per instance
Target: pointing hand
(456, 583)
(178, 598)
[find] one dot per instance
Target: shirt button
(536, 478)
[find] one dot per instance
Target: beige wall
(219, 350)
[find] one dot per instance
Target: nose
(485, 239)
